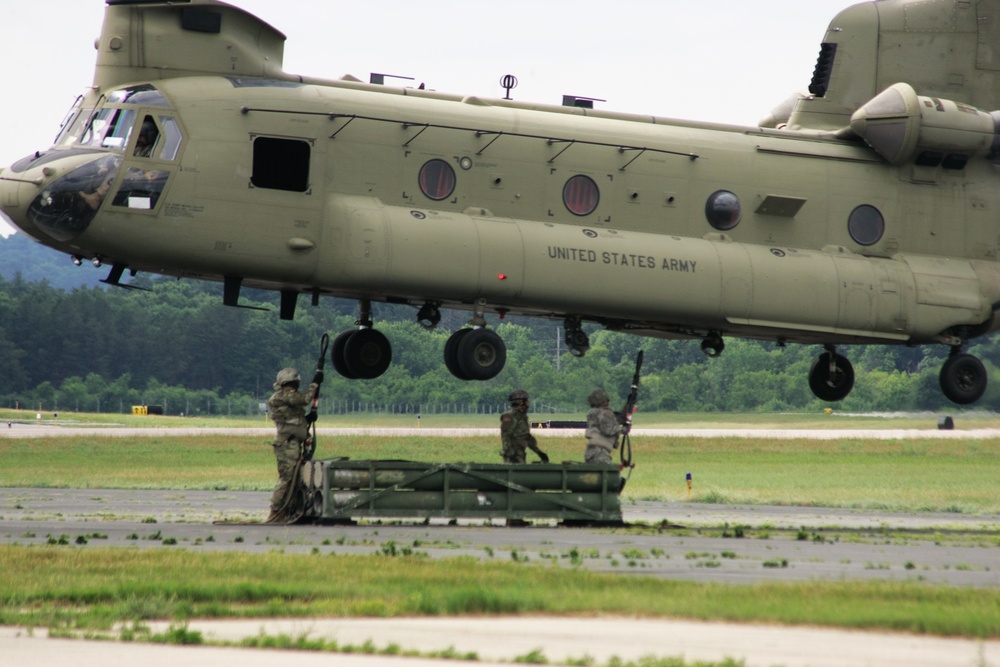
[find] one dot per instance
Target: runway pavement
(777, 544)
(689, 541)
(498, 641)
(735, 544)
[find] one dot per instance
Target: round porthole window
(437, 180)
(866, 225)
(723, 210)
(580, 195)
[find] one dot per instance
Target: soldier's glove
(311, 417)
(318, 378)
(543, 456)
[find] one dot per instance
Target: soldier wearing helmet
(603, 428)
(146, 139)
(515, 431)
(288, 410)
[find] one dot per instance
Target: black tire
(367, 354)
(482, 354)
(451, 353)
(337, 354)
(831, 386)
(963, 379)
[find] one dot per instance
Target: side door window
(158, 139)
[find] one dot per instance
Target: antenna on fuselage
(508, 82)
(580, 102)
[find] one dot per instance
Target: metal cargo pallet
(341, 490)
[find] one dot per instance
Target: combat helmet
(287, 376)
(598, 397)
(517, 396)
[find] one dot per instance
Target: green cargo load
(342, 490)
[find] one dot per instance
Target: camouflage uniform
(288, 410)
(603, 429)
(515, 431)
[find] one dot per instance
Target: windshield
(144, 95)
(73, 117)
(66, 207)
(110, 128)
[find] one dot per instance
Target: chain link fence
(253, 406)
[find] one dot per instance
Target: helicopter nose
(57, 196)
(15, 189)
(8, 191)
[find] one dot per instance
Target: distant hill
(35, 262)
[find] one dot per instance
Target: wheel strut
(832, 349)
(365, 316)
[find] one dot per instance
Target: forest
(86, 348)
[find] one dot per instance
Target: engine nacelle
(903, 127)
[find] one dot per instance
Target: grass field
(91, 588)
(908, 475)
(95, 588)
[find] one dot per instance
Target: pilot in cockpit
(94, 198)
(147, 139)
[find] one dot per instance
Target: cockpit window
(70, 119)
(66, 206)
(145, 95)
(73, 125)
(141, 188)
(171, 138)
(145, 141)
(110, 128)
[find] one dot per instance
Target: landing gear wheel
(367, 354)
(831, 383)
(337, 354)
(451, 353)
(963, 379)
(712, 346)
(481, 354)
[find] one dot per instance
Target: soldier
(288, 410)
(603, 428)
(515, 431)
(146, 139)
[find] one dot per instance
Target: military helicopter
(857, 212)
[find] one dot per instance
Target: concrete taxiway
(670, 540)
(689, 541)
(498, 641)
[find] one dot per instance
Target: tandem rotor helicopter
(859, 212)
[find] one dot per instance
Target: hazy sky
(728, 61)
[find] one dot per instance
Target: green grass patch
(901, 475)
(904, 475)
(96, 587)
(728, 420)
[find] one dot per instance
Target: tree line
(106, 349)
